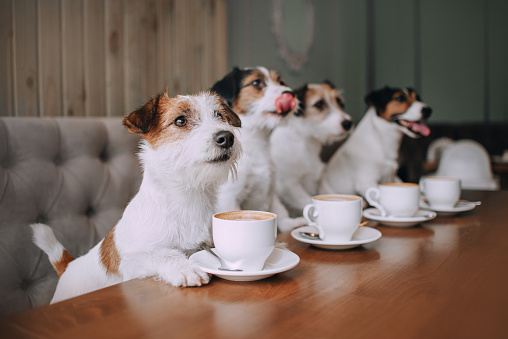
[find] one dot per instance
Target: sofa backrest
(73, 174)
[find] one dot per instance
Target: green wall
(454, 52)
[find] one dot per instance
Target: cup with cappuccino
(395, 199)
(336, 216)
(244, 239)
(441, 192)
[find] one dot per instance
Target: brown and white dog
(296, 147)
(263, 101)
(370, 155)
(188, 149)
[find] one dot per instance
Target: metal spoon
(222, 267)
(315, 236)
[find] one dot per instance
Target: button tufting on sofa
(75, 175)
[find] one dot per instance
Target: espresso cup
(336, 216)
(394, 199)
(440, 192)
(244, 239)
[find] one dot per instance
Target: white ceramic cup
(244, 239)
(440, 192)
(394, 199)
(336, 216)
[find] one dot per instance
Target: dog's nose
(224, 139)
(347, 124)
(289, 92)
(426, 112)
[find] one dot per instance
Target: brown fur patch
(396, 107)
(320, 99)
(249, 93)
(156, 120)
(61, 265)
(228, 115)
(110, 257)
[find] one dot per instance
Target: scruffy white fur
(296, 147)
(170, 217)
(255, 187)
(370, 155)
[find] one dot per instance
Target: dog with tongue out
(263, 101)
(370, 156)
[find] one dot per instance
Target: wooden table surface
(447, 278)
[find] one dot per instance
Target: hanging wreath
(295, 60)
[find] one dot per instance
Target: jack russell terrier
(370, 155)
(263, 101)
(296, 147)
(188, 149)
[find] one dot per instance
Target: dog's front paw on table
(186, 275)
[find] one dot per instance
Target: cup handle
(310, 214)
(372, 195)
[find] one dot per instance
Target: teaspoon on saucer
(315, 236)
(222, 267)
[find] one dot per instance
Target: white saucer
(363, 235)
(279, 261)
(421, 216)
(461, 206)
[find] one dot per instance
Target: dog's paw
(186, 274)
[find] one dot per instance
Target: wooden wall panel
(73, 58)
(106, 57)
(95, 57)
(50, 62)
(6, 58)
(115, 58)
(25, 56)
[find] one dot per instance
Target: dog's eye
(282, 82)
(258, 83)
(340, 103)
(401, 98)
(218, 114)
(181, 121)
(320, 104)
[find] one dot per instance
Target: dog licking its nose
(224, 139)
(285, 103)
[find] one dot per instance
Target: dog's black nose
(289, 92)
(347, 124)
(224, 139)
(426, 112)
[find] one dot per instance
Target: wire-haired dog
(187, 151)
(296, 147)
(263, 101)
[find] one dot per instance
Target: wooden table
(447, 278)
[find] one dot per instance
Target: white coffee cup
(394, 199)
(244, 239)
(336, 216)
(440, 192)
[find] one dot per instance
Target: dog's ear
(329, 83)
(379, 98)
(141, 120)
(232, 118)
(229, 86)
(300, 95)
(411, 90)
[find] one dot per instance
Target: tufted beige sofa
(74, 174)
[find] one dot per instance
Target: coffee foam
(400, 184)
(245, 215)
(336, 197)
